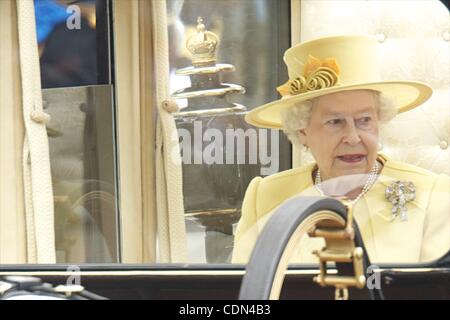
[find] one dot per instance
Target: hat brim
(407, 95)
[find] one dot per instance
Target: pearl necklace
(370, 181)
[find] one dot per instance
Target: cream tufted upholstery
(414, 44)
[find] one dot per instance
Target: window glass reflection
(69, 42)
(78, 96)
(213, 187)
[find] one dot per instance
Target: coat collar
(389, 234)
(383, 234)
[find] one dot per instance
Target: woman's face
(343, 132)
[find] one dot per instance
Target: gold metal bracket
(340, 247)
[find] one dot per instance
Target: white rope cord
(36, 160)
(169, 184)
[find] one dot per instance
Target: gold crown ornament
(202, 46)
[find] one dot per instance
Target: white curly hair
(297, 117)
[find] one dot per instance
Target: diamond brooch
(399, 193)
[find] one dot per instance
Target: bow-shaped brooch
(399, 193)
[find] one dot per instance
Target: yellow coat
(424, 237)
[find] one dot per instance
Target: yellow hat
(333, 64)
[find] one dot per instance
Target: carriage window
(76, 75)
(77, 93)
(222, 64)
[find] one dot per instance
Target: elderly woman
(334, 105)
